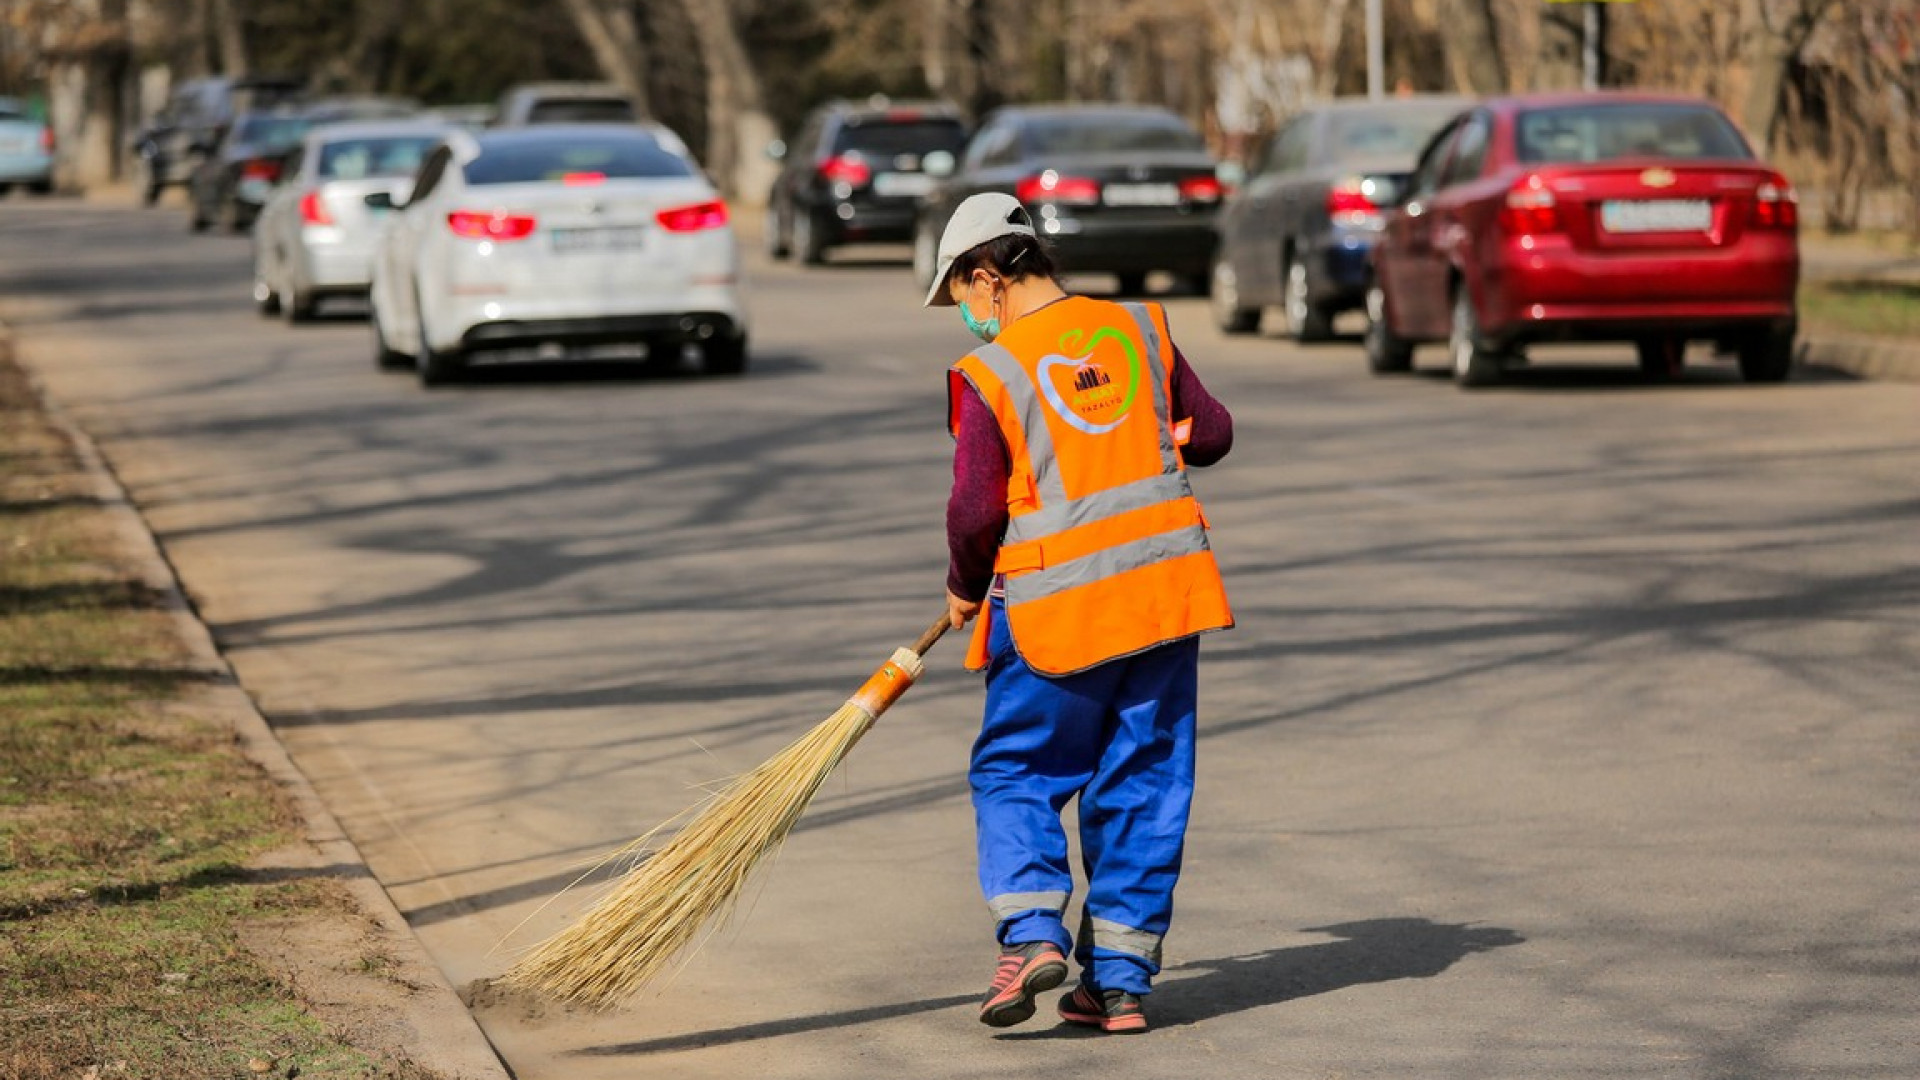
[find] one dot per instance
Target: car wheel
(41, 187)
(808, 246)
(434, 368)
(1767, 357)
(1132, 283)
(1474, 363)
(385, 358)
(1661, 358)
(1305, 321)
(265, 300)
(1387, 352)
(776, 239)
(298, 306)
(724, 356)
(926, 254)
(1230, 313)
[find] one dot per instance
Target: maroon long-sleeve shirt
(977, 509)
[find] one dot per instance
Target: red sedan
(1588, 217)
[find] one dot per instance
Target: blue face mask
(985, 331)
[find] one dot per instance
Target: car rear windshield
(1400, 132)
(273, 132)
(355, 159)
(582, 111)
(1110, 134)
(534, 161)
(1628, 130)
(889, 138)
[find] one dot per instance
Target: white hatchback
(568, 242)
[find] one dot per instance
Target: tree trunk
(1473, 46)
(1772, 32)
(738, 127)
(614, 39)
(230, 30)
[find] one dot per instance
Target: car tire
(265, 300)
(299, 307)
(1230, 313)
(777, 243)
(1767, 357)
(1661, 358)
(385, 357)
(435, 368)
(724, 356)
(1475, 363)
(926, 254)
(41, 187)
(1387, 352)
(1132, 283)
(1306, 321)
(808, 245)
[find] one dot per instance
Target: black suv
(856, 175)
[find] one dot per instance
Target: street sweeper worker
(1081, 557)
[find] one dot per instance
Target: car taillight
(498, 225)
(851, 171)
(694, 218)
(1200, 189)
(1776, 205)
(313, 209)
(1531, 209)
(583, 179)
(260, 169)
(46, 140)
(1348, 203)
(1051, 187)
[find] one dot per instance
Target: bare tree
(1772, 33)
(737, 122)
(1473, 46)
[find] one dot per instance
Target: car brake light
(498, 225)
(1776, 205)
(1348, 203)
(46, 140)
(694, 218)
(1200, 189)
(851, 171)
(583, 179)
(1531, 209)
(260, 169)
(1051, 187)
(313, 209)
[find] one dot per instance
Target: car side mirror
(939, 164)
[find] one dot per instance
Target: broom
(659, 906)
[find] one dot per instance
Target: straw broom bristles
(658, 908)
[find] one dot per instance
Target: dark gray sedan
(1298, 233)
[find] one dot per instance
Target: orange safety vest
(1105, 553)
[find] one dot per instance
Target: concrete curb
(1888, 359)
(439, 1032)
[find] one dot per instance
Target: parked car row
(1489, 226)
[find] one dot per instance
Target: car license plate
(901, 185)
(1656, 215)
(1141, 195)
(617, 238)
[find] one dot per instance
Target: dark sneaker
(1109, 1010)
(1025, 970)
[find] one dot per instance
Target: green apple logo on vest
(1096, 406)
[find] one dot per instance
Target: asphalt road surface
(1571, 729)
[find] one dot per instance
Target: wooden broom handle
(934, 633)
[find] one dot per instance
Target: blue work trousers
(1119, 736)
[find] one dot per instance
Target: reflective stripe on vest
(1056, 544)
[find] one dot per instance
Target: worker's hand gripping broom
(659, 907)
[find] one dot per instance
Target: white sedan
(571, 242)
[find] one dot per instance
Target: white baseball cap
(980, 219)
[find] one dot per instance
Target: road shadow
(1369, 951)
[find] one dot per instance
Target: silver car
(316, 233)
(26, 149)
